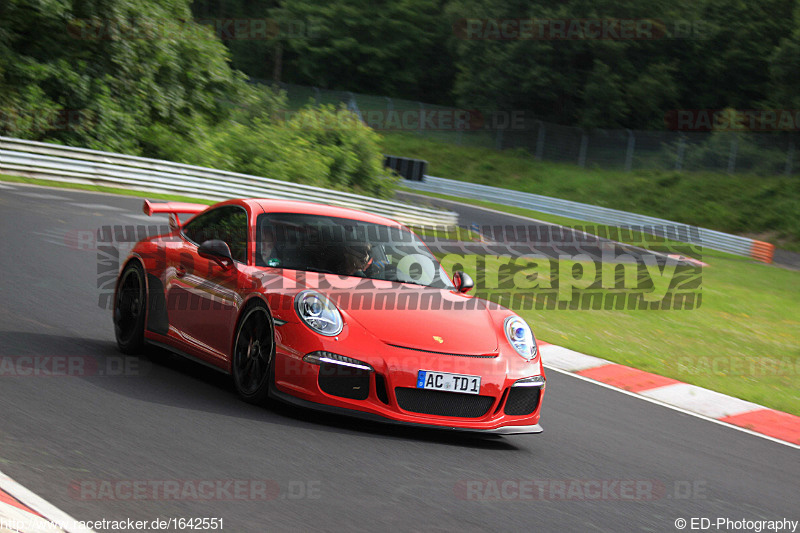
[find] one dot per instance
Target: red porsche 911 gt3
(332, 309)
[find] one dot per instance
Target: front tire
(254, 354)
(130, 306)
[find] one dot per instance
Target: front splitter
(505, 430)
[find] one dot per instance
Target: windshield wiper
(410, 282)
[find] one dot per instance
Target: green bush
(353, 148)
(166, 98)
(321, 146)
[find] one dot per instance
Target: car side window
(227, 223)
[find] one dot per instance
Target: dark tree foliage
(703, 54)
(160, 79)
(384, 47)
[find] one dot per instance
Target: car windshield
(346, 247)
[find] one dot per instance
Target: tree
(392, 48)
(604, 97)
(784, 69)
(125, 66)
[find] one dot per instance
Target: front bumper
(503, 430)
(394, 370)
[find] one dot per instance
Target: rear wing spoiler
(173, 208)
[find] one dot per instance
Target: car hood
(433, 321)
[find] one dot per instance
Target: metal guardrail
(716, 240)
(65, 163)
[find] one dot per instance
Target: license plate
(445, 381)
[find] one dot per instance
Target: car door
(202, 295)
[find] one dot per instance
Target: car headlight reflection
(318, 313)
(520, 336)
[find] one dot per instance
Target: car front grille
(343, 381)
(522, 400)
(440, 403)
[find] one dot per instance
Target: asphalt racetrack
(606, 461)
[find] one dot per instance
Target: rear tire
(254, 354)
(130, 308)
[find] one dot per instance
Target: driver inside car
(268, 252)
(356, 260)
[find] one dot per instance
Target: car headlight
(318, 313)
(520, 336)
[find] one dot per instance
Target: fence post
(584, 146)
(790, 157)
(352, 105)
(732, 156)
(316, 95)
(681, 152)
(540, 140)
(498, 141)
(629, 153)
(421, 117)
(389, 105)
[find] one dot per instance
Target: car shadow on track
(164, 378)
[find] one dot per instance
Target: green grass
(763, 207)
(452, 233)
(742, 340)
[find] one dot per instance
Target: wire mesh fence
(766, 153)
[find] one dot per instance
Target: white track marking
(152, 220)
(699, 400)
(40, 505)
(91, 207)
(41, 196)
(54, 236)
(673, 407)
(23, 521)
(569, 360)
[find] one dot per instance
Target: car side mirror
(217, 250)
(462, 281)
